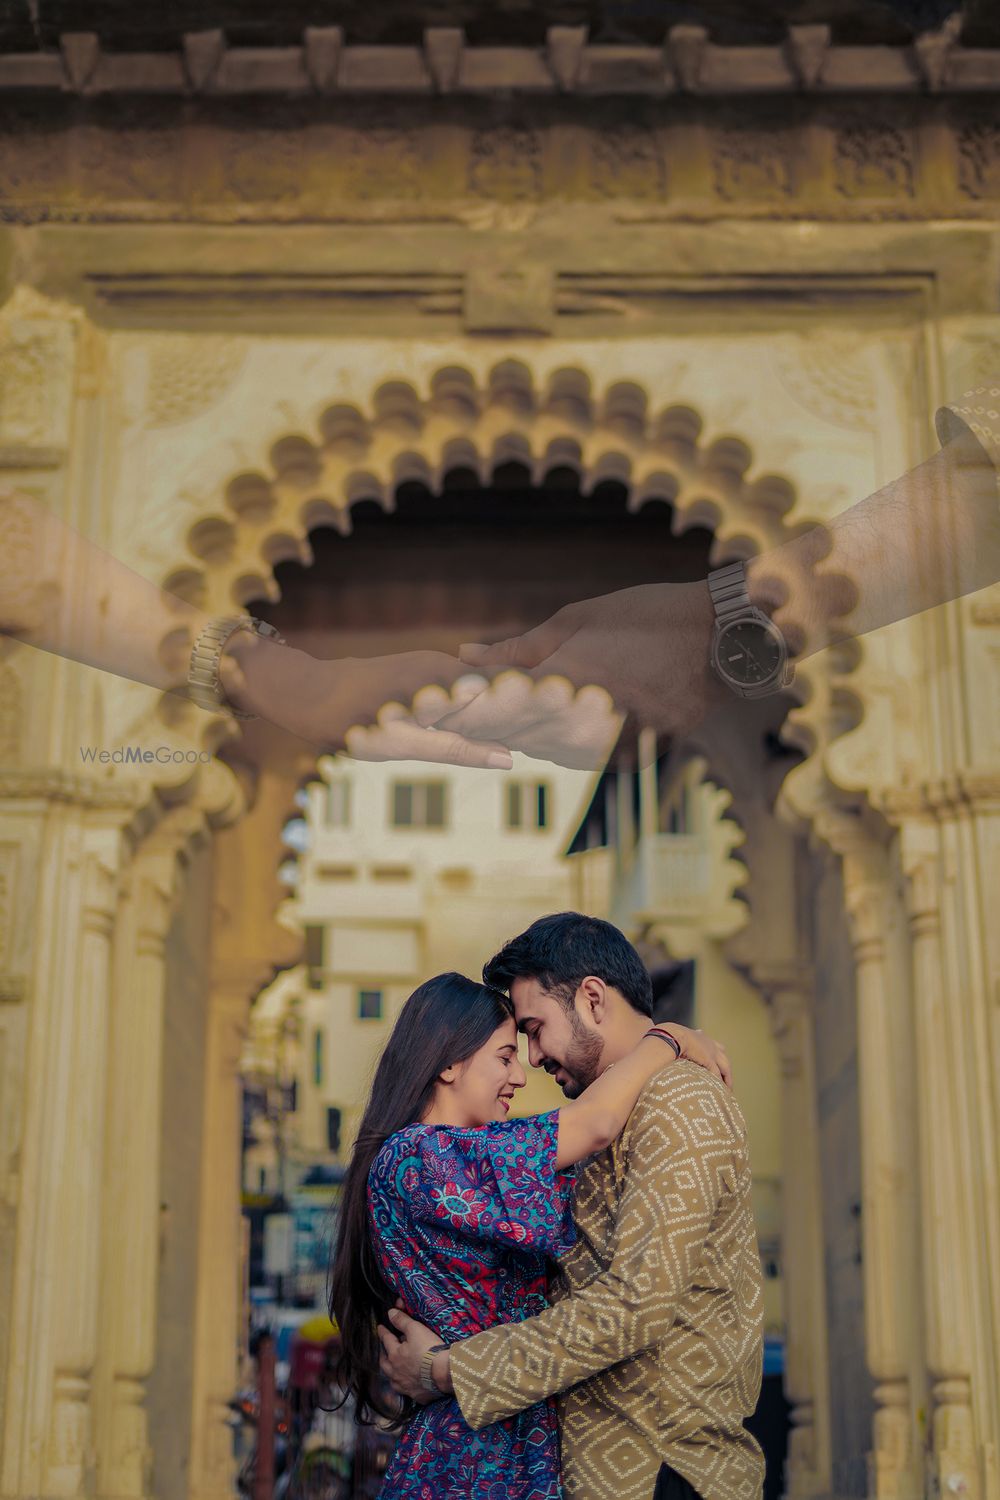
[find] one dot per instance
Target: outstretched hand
(375, 708)
(643, 651)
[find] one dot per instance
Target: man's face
(559, 1039)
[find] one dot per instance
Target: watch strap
(426, 1361)
(204, 686)
(728, 588)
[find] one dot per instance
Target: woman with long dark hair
(455, 1209)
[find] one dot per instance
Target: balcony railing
(667, 878)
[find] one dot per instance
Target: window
(333, 1119)
(526, 804)
(318, 1059)
(418, 804)
(315, 939)
(338, 803)
(369, 1005)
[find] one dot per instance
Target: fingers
(542, 716)
(525, 651)
(433, 703)
(726, 1068)
(400, 1320)
(396, 736)
(384, 1336)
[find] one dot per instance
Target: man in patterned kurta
(654, 1340)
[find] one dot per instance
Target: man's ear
(592, 997)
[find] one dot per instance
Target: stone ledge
(686, 62)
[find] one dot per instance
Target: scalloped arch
(312, 472)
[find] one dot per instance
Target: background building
(404, 328)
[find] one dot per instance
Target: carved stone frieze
(36, 380)
(381, 162)
(979, 160)
(367, 165)
(752, 164)
(626, 163)
(873, 161)
(506, 164)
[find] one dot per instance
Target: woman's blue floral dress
(463, 1222)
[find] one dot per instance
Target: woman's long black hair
(443, 1022)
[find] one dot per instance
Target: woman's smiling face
(484, 1083)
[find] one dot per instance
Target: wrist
(257, 674)
(240, 669)
(778, 587)
(664, 1037)
(441, 1372)
(763, 588)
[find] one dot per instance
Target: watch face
(748, 652)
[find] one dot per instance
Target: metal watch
(749, 652)
(203, 676)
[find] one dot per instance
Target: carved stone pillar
(218, 1297)
(248, 946)
(132, 1165)
(889, 1218)
(945, 1231)
(69, 1454)
(807, 1467)
(53, 1329)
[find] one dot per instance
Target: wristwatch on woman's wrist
(203, 677)
(426, 1377)
(749, 652)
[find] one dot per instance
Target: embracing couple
(626, 1369)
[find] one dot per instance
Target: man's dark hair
(561, 950)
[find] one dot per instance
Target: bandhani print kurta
(463, 1223)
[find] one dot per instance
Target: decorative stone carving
(751, 164)
(506, 164)
(270, 170)
(81, 54)
(25, 596)
(36, 375)
(443, 48)
(829, 375)
(873, 161)
(933, 50)
(188, 376)
(979, 160)
(807, 47)
(203, 55)
(10, 715)
(626, 163)
(564, 50)
(686, 47)
(322, 46)
(381, 162)
(509, 299)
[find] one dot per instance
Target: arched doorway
(404, 528)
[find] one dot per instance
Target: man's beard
(583, 1058)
